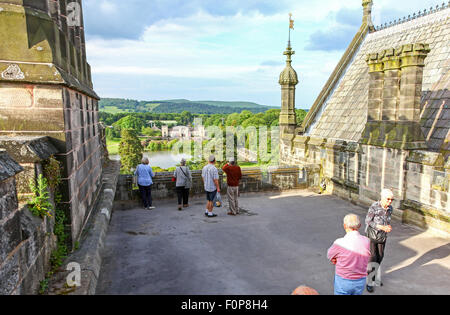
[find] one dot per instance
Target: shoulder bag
(188, 180)
(376, 235)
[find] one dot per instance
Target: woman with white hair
(183, 177)
(144, 175)
(378, 225)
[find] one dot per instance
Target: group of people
(357, 258)
(182, 177)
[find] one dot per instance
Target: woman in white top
(183, 184)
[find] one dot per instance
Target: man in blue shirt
(145, 174)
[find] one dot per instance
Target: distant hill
(117, 105)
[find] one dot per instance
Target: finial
(367, 13)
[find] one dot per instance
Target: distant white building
(165, 131)
(181, 132)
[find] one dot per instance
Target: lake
(162, 159)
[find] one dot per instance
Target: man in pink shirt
(351, 255)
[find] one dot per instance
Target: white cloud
(201, 49)
(107, 7)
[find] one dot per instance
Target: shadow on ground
(278, 243)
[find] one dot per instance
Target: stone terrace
(278, 243)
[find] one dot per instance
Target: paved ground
(278, 243)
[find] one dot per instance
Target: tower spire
(288, 80)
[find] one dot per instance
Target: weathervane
(291, 26)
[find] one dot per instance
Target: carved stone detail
(13, 72)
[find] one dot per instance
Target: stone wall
(82, 154)
(358, 172)
(26, 241)
(427, 198)
(46, 89)
(253, 180)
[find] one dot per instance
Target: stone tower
(46, 90)
(288, 81)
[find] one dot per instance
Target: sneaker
(369, 288)
(212, 215)
(151, 208)
(179, 208)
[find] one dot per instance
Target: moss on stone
(426, 211)
(393, 134)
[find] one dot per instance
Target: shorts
(211, 195)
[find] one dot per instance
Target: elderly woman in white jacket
(183, 184)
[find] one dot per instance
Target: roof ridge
(410, 18)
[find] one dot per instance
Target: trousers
(377, 255)
(233, 204)
(348, 287)
(183, 195)
(146, 195)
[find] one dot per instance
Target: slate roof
(343, 114)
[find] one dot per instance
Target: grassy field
(116, 110)
(113, 146)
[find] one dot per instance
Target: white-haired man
(351, 255)
(378, 225)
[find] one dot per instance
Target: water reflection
(162, 159)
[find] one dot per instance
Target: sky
(222, 50)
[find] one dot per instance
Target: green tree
(271, 116)
(254, 121)
(244, 115)
(130, 122)
(130, 150)
(232, 120)
(147, 131)
(301, 114)
(186, 118)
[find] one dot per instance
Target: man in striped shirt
(351, 256)
(210, 176)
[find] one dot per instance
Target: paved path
(279, 243)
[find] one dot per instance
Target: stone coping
(30, 149)
(8, 166)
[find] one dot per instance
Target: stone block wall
(427, 193)
(358, 173)
(82, 155)
(26, 242)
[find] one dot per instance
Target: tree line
(130, 126)
(139, 121)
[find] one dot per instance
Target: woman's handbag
(376, 235)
